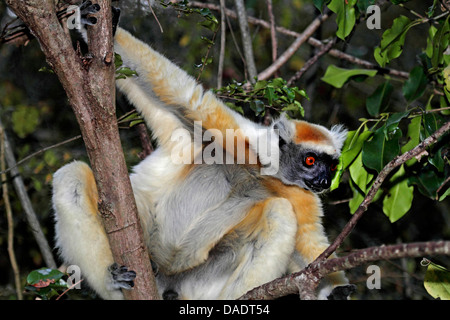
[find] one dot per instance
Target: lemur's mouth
(313, 187)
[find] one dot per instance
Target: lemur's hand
(122, 277)
(87, 8)
(342, 292)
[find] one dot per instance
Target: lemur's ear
(339, 135)
(284, 128)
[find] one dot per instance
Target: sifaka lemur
(214, 229)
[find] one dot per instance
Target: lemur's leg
(272, 225)
(80, 236)
(311, 242)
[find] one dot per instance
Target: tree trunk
(90, 87)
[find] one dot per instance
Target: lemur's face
(307, 168)
(309, 153)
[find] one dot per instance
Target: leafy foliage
(46, 283)
(368, 149)
(271, 94)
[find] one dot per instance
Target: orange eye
(333, 167)
(310, 161)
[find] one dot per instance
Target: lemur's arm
(163, 92)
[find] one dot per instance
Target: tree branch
(222, 43)
(302, 38)
(273, 34)
(90, 86)
(301, 281)
(246, 40)
(311, 62)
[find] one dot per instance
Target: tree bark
(90, 86)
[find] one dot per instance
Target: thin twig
(441, 186)
(311, 62)
(246, 40)
(30, 214)
(154, 16)
(205, 59)
(34, 154)
(9, 218)
(302, 38)
(223, 33)
(70, 288)
(273, 34)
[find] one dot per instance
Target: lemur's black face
(306, 168)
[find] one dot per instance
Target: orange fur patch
(306, 205)
(91, 191)
(307, 211)
(254, 221)
(305, 132)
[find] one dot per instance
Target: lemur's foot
(122, 277)
(86, 9)
(342, 292)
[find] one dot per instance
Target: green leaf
(269, 94)
(430, 124)
(235, 108)
(431, 32)
(118, 62)
(127, 72)
(50, 158)
(261, 84)
(320, 3)
(359, 174)
(428, 181)
(445, 194)
(433, 7)
(440, 43)
(413, 136)
(394, 119)
(346, 17)
(358, 197)
(364, 4)
(25, 120)
(43, 274)
(337, 77)
(399, 198)
(378, 100)
(392, 41)
(352, 147)
(258, 107)
(379, 151)
(416, 84)
(46, 70)
(437, 282)
(437, 161)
